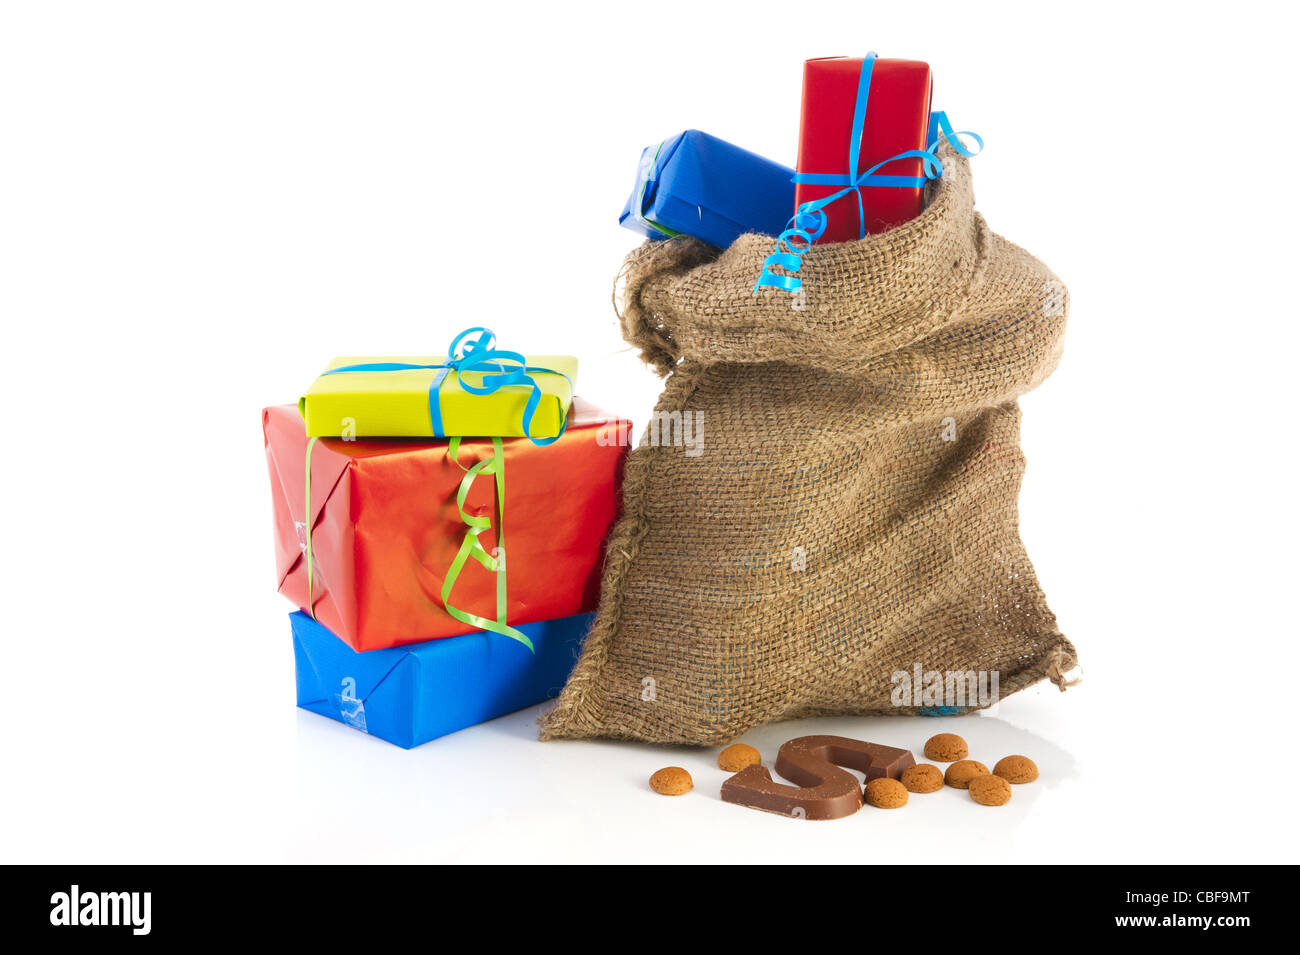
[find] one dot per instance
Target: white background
(201, 203)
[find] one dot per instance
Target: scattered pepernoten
(922, 778)
(671, 781)
(946, 747)
(822, 788)
(990, 790)
(1016, 769)
(960, 773)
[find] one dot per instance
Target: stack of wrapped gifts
(400, 485)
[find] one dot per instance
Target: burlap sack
(850, 511)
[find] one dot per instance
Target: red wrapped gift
(897, 118)
(386, 531)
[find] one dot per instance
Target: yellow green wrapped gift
(476, 390)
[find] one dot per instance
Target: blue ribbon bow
(500, 369)
(809, 221)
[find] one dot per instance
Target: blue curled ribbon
(501, 369)
(809, 221)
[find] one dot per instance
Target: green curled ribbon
(470, 546)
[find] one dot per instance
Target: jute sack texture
(848, 510)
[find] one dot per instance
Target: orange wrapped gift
(397, 523)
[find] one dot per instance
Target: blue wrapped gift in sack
(411, 694)
(696, 184)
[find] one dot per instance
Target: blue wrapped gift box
(411, 694)
(696, 184)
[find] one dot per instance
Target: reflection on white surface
(493, 792)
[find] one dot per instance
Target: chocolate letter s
(821, 789)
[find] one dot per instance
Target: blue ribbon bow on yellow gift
(500, 369)
(809, 221)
